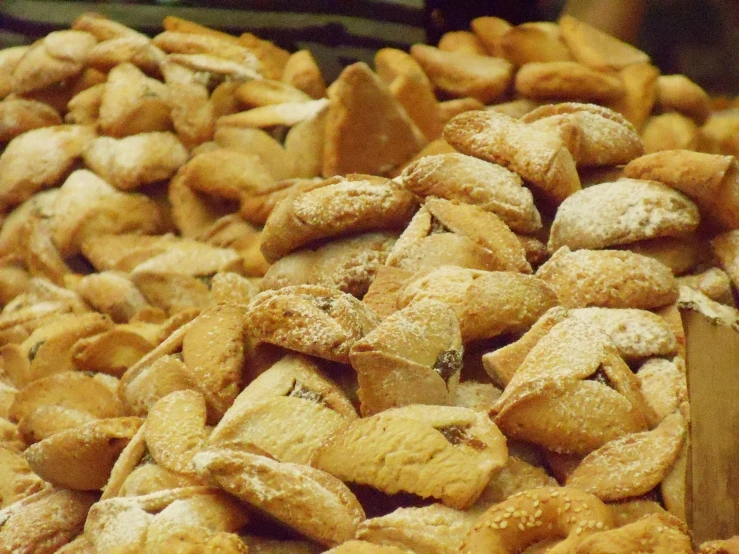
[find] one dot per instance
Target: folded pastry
(308, 500)
(652, 533)
(311, 319)
(567, 81)
(461, 74)
(710, 180)
(594, 135)
(597, 49)
(628, 210)
(632, 465)
(336, 206)
(609, 279)
(640, 93)
(487, 303)
(468, 180)
(680, 94)
(572, 393)
(413, 356)
(346, 264)
(539, 41)
(367, 130)
(670, 131)
(436, 529)
(464, 235)
(539, 157)
(681, 254)
(440, 452)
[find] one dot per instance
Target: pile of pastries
(433, 307)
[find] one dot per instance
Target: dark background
(696, 37)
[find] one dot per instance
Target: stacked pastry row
(226, 328)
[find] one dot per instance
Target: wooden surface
(713, 467)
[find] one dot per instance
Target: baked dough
(539, 157)
(565, 81)
(468, 180)
(609, 279)
(594, 135)
(413, 356)
(310, 319)
(445, 233)
(334, 207)
(621, 212)
(441, 452)
(487, 303)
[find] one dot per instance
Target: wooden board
(712, 489)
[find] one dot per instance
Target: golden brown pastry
(631, 465)
(572, 393)
(309, 500)
(469, 180)
(539, 41)
(367, 130)
(528, 517)
(609, 279)
(594, 135)
(670, 131)
(413, 356)
(725, 248)
(621, 212)
(441, 452)
(539, 157)
(310, 319)
(680, 254)
(445, 233)
(597, 49)
(461, 74)
(348, 264)
(462, 41)
(709, 180)
(487, 303)
(334, 207)
(678, 93)
(640, 93)
(657, 533)
(567, 80)
(490, 30)
(436, 529)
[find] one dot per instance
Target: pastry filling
(207, 280)
(600, 376)
(34, 350)
(438, 227)
(457, 434)
(448, 363)
(299, 391)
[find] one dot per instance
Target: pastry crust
(640, 93)
(461, 74)
(670, 131)
(632, 465)
(310, 501)
(594, 135)
(574, 369)
(539, 41)
(710, 180)
(487, 303)
(367, 130)
(678, 93)
(413, 356)
(658, 533)
(490, 30)
(597, 49)
(454, 451)
(531, 516)
(725, 248)
(468, 180)
(680, 254)
(336, 206)
(348, 265)
(565, 81)
(310, 319)
(539, 157)
(609, 279)
(445, 233)
(621, 212)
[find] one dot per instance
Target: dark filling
(438, 227)
(299, 391)
(34, 350)
(448, 363)
(324, 303)
(456, 434)
(207, 280)
(601, 377)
